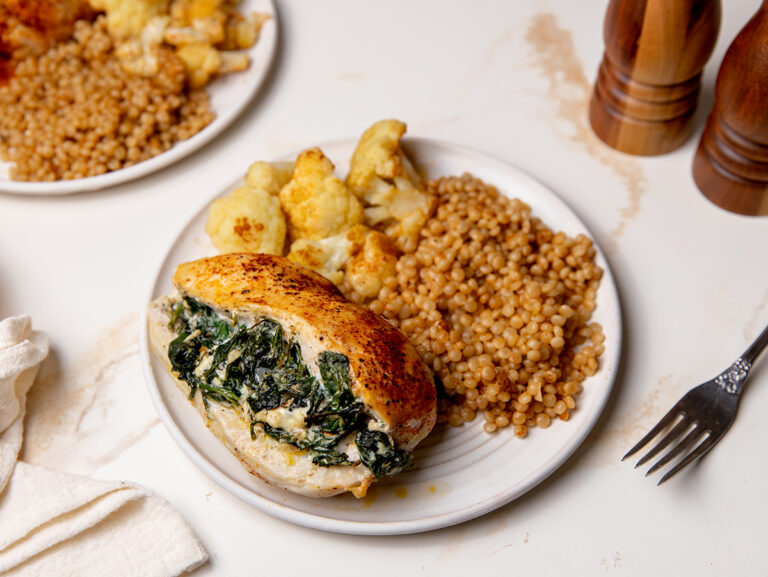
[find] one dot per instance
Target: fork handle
(757, 347)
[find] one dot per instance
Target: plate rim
(266, 48)
(284, 511)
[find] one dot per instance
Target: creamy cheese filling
(281, 418)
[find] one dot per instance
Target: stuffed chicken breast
(311, 392)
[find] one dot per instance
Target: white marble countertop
(511, 79)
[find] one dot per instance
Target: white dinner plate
(460, 473)
(229, 94)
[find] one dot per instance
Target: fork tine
(661, 425)
(673, 434)
(687, 442)
(698, 452)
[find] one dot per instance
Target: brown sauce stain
(555, 56)
(61, 401)
(401, 492)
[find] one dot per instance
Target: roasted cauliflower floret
(210, 30)
(328, 256)
(379, 155)
(128, 17)
(146, 55)
(249, 220)
(216, 20)
(382, 176)
(363, 256)
(202, 61)
(269, 176)
(400, 210)
(185, 11)
(318, 204)
(374, 262)
(243, 31)
(207, 35)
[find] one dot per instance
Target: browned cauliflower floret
(207, 35)
(379, 155)
(318, 204)
(202, 61)
(328, 256)
(243, 31)
(210, 30)
(365, 256)
(376, 260)
(128, 17)
(269, 176)
(382, 176)
(184, 12)
(145, 54)
(216, 21)
(249, 220)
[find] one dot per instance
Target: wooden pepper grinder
(648, 84)
(731, 163)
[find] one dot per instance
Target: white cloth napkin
(53, 523)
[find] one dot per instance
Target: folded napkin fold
(53, 523)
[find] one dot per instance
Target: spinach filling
(257, 369)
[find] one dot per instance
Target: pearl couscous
(75, 112)
(499, 306)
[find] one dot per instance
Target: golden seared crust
(388, 374)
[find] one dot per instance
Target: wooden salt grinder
(648, 83)
(731, 163)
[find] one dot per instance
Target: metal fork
(703, 415)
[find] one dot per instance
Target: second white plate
(460, 473)
(229, 95)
